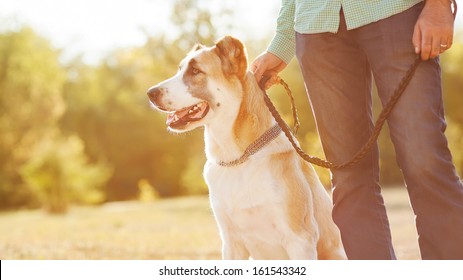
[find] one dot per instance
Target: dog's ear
(197, 47)
(233, 56)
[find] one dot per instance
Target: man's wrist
(442, 5)
(282, 48)
(442, 2)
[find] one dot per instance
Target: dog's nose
(153, 92)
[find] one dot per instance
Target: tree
(59, 173)
(31, 144)
(452, 66)
(30, 103)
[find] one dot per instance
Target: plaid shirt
(317, 16)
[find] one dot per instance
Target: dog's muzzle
(155, 94)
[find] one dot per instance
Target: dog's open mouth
(190, 114)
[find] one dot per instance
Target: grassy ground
(181, 228)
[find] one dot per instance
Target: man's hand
(433, 32)
(267, 64)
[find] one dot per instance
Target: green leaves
(39, 163)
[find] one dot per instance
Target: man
(340, 46)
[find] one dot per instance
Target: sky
(95, 27)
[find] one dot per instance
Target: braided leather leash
(372, 140)
(377, 128)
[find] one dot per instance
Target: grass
(180, 228)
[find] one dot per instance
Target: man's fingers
(272, 80)
(445, 44)
(267, 64)
(253, 67)
(416, 39)
(426, 46)
(423, 44)
(258, 70)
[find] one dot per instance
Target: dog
(268, 203)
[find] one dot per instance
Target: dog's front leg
(303, 245)
(302, 249)
(233, 249)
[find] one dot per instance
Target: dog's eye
(195, 71)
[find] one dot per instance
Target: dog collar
(254, 147)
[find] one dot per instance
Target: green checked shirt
(318, 16)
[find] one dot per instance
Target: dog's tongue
(188, 114)
(176, 116)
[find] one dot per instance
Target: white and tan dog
(269, 204)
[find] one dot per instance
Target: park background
(88, 169)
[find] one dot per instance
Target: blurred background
(76, 128)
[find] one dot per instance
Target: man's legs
(338, 81)
(417, 128)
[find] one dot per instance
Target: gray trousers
(338, 70)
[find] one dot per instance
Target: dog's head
(207, 83)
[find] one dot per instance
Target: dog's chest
(241, 187)
(249, 204)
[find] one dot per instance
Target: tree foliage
(58, 173)
(39, 165)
